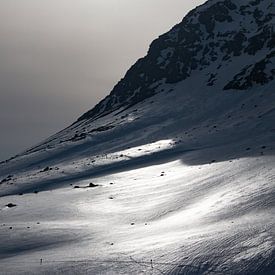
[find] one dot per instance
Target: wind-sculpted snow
(173, 173)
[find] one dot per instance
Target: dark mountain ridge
(216, 32)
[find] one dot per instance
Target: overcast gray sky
(58, 58)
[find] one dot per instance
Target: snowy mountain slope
(213, 33)
(181, 154)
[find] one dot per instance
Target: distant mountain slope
(229, 45)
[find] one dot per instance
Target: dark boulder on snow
(10, 205)
(46, 169)
(91, 185)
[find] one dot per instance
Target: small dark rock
(10, 205)
(76, 186)
(46, 169)
(5, 180)
(92, 185)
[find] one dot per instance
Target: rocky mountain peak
(216, 34)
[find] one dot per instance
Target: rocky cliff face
(216, 34)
